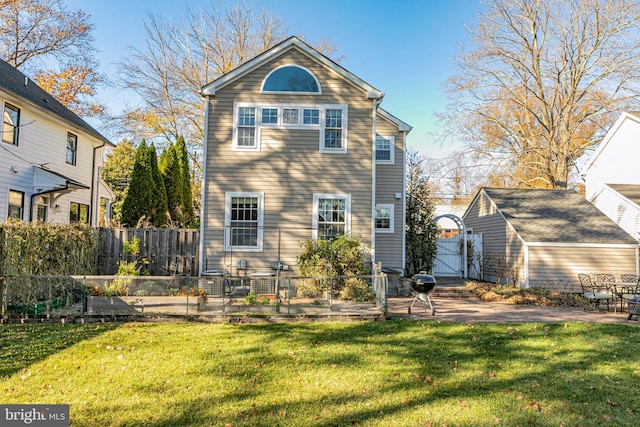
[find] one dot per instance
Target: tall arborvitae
(158, 213)
(185, 173)
(171, 173)
(140, 195)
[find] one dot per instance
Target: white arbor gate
(452, 253)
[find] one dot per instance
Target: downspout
(203, 189)
(404, 202)
(94, 183)
(376, 104)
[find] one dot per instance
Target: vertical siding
(557, 267)
(389, 181)
(42, 142)
(288, 169)
(498, 237)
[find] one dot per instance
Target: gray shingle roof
(13, 81)
(630, 191)
(556, 216)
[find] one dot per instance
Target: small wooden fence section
(168, 251)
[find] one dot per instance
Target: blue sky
(401, 47)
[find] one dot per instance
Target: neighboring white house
(612, 181)
(50, 159)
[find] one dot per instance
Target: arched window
(291, 78)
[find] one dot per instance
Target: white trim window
(333, 138)
(15, 208)
(384, 149)
(293, 79)
(250, 118)
(384, 218)
(331, 215)
(10, 124)
(245, 132)
(244, 217)
(72, 149)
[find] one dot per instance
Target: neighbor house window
(245, 138)
(384, 218)
(16, 205)
(243, 221)
(331, 215)
(72, 148)
(384, 149)
(42, 208)
(291, 78)
(10, 124)
(78, 212)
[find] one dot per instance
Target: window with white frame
(331, 120)
(384, 218)
(245, 130)
(243, 221)
(333, 129)
(331, 215)
(16, 205)
(72, 148)
(10, 124)
(384, 149)
(291, 79)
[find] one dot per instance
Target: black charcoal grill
(423, 284)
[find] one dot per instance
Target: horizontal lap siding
(389, 181)
(288, 169)
(558, 267)
(498, 238)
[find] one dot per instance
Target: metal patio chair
(629, 289)
(597, 292)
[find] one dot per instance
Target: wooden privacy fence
(168, 251)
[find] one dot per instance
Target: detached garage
(546, 237)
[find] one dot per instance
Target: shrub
(342, 256)
(357, 290)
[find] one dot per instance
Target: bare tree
(181, 56)
(36, 34)
(540, 81)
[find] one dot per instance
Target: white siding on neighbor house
(499, 240)
(616, 159)
(42, 142)
(289, 168)
(622, 211)
(557, 267)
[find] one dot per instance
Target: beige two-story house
(50, 158)
(298, 148)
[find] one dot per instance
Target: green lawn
(401, 373)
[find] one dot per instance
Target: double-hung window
(384, 218)
(333, 129)
(72, 148)
(16, 205)
(243, 221)
(384, 149)
(331, 215)
(245, 130)
(10, 124)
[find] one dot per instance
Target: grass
(402, 373)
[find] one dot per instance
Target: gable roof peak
(210, 89)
